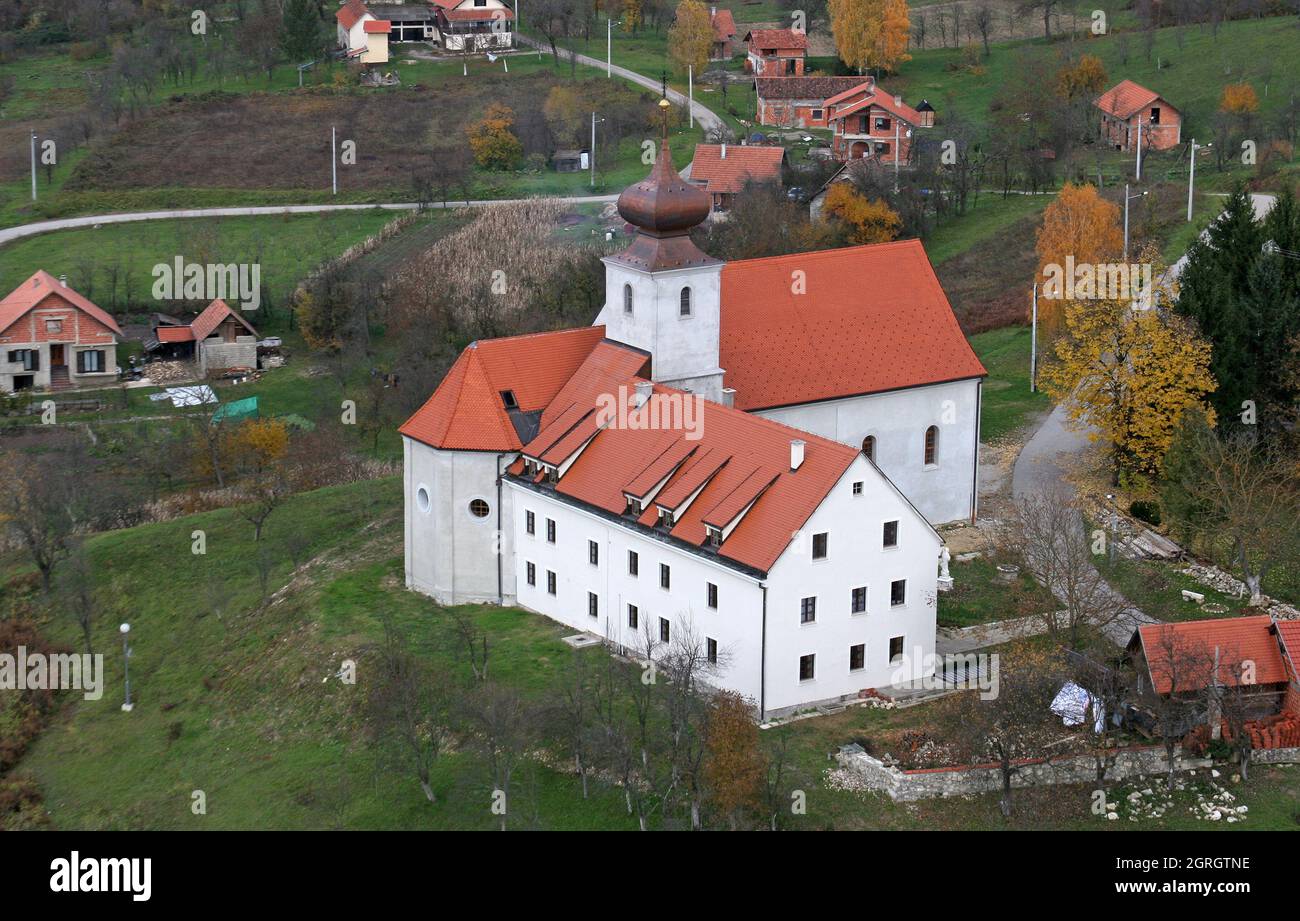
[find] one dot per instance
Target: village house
(779, 516)
(775, 52)
(869, 122)
(722, 170)
(799, 102)
(1254, 657)
(474, 25)
(724, 34)
(52, 338)
(1129, 111)
(218, 338)
(361, 34)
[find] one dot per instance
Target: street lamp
(594, 121)
(127, 706)
(1127, 199)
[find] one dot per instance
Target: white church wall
(943, 491)
(450, 553)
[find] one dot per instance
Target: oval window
(422, 499)
(479, 508)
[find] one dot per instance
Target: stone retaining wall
(907, 786)
(1275, 756)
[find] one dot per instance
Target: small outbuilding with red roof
(52, 337)
(1129, 111)
(722, 170)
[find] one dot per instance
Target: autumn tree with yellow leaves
(1079, 224)
(494, 145)
(871, 33)
(1239, 99)
(868, 220)
(1132, 375)
(691, 36)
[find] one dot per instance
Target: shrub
(1145, 510)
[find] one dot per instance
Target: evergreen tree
(300, 31)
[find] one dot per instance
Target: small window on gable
(685, 307)
(857, 487)
(627, 298)
(508, 399)
(54, 326)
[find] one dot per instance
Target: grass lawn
(1155, 587)
(977, 597)
(1007, 402)
(988, 218)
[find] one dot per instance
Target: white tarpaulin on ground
(1072, 703)
(191, 396)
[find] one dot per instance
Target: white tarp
(191, 396)
(1072, 703)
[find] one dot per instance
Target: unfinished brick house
(722, 170)
(724, 34)
(776, 53)
(1126, 106)
(870, 122)
(53, 338)
(218, 338)
(799, 102)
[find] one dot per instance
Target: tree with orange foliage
(871, 33)
(494, 145)
(734, 767)
(1239, 99)
(1086, 78)
(868, 220)
(895, 33)
(1079, 224)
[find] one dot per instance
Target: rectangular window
(895, 649)
(54, 326)
(819, 545)
(711, 650)
(30, 359)
(808, 610)
(90, 361)
(860, 600)
(817, 114)
(530, 522)
(857, 487)
(883, 124)
(807, 668)
(857, 657)
(891, 534)
(532, 573)
(663, 630)
(633, 616)
(593, 553)
(550, 530)
(633, 563)
(898, 592)
(550, 582)
(713, 595)
(593, 605)
(665, 576)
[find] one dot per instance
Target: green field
(1008, 403)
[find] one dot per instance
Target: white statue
(944, 557)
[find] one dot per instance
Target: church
(789, 432)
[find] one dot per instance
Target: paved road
(9, 234)
(706, 118)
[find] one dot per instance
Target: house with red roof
(53, 338)
(798, 102)
(722, 170)
(219, 338)
(870, 122)
(776, 52)
(474, 25)
(724, 34)
(1129, 112)
(362, 34)
(745, 458)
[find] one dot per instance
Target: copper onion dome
(663, 203)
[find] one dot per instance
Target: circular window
(479, 508)
(422, 499)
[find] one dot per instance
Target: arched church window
(931, 444)
(627, 298)
(686, 302)
(869, 447)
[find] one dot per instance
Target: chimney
(63, 280)
(643, 391)
(724, 152)
(728, 396)
(898, 101)
(796, 454)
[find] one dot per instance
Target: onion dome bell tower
(662, 293)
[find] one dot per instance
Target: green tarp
(236, 411)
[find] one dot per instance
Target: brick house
(53, 338)
(776, 53)
(1127, 105)
(724, 34)
(799, 102)
(218, 338)
(869, 122)
(722, 170)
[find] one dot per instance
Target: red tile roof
(873, 317)
(780, 39)
(350, 13)
(1185, 653)
(741, 164)
(174, 334)
(206, 323)
(377, 26)
(1288, 632)
(724, 25)
(27, 296)
(467, 412)
(1125, 98)
(814, 88)
(884, 99)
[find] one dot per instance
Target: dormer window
(665, 518)
(627, 298)
(508, 399)
(714, 537)
(685, 307)
(633, 507)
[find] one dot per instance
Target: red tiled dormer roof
(35, 290)
(741, 164)
(467, 411)
(350, 13)
(724, 25)
(779, 39)
(1125, 98)
(377, 26)
(872, 319)
(1184, 654)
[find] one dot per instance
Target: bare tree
(41, 503)
(464, 633)
(1181, 673)
(408, 704)
(502, 727)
